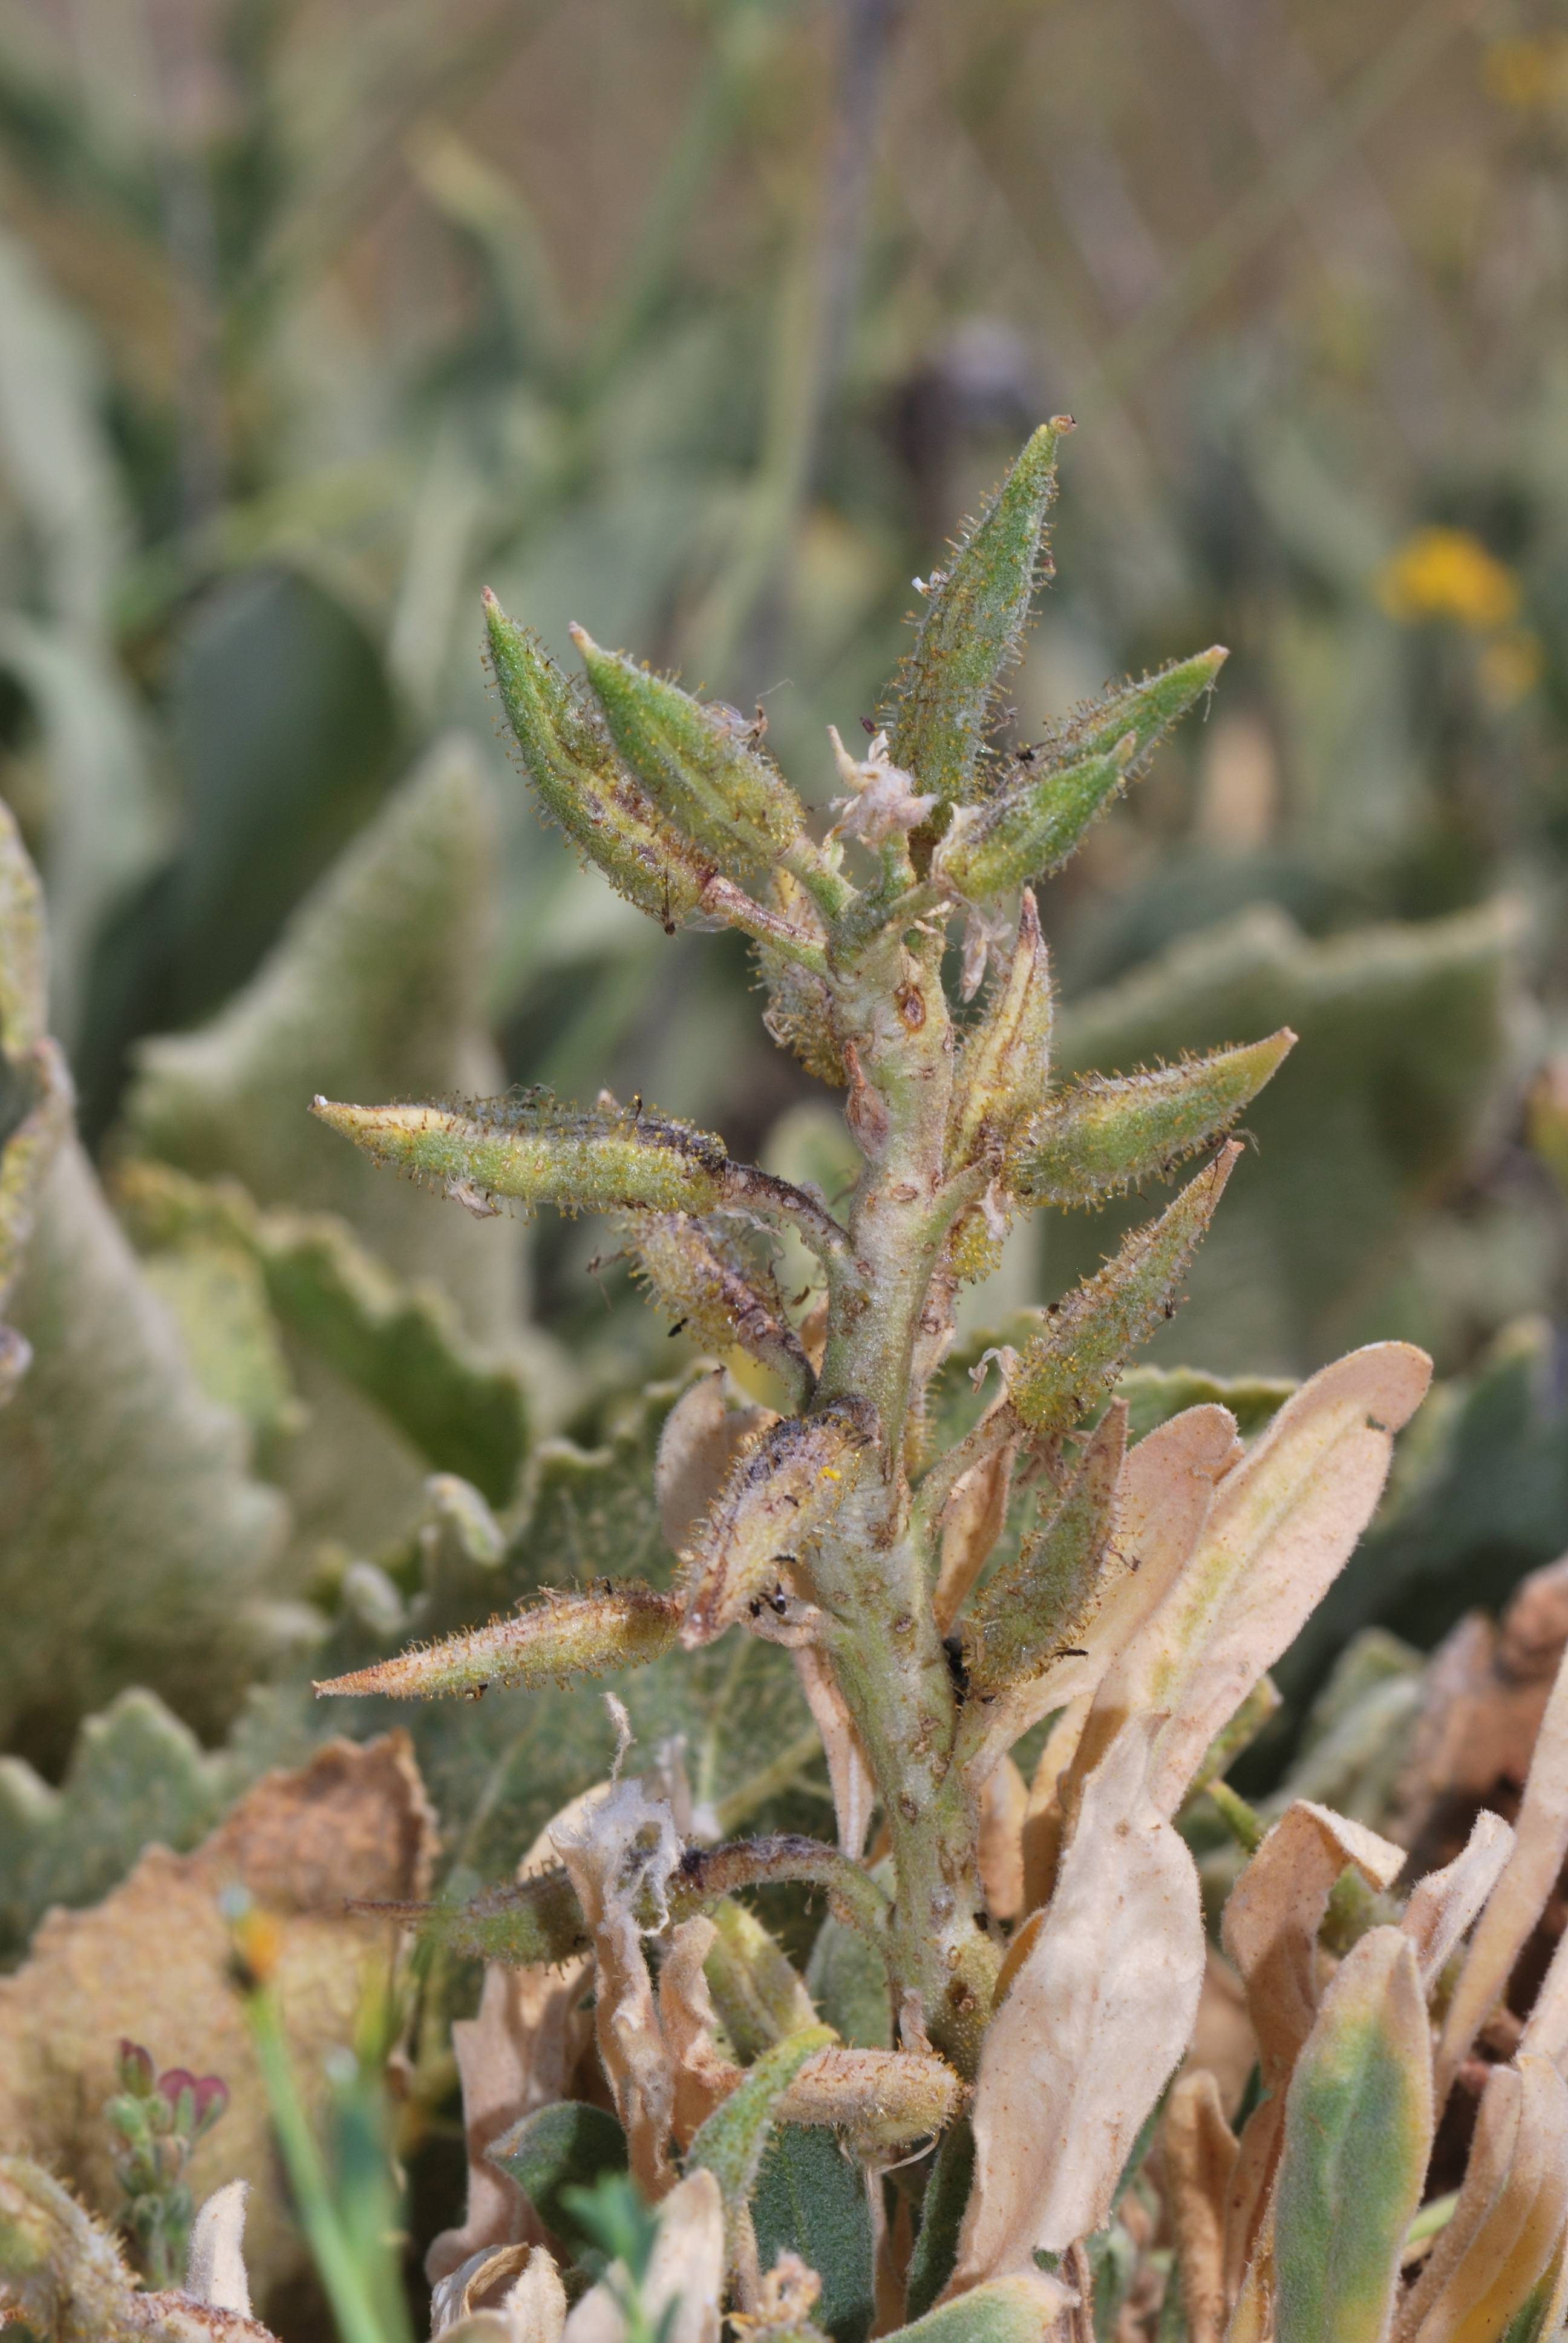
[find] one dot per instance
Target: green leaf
(696, 762)
(1103, 1135)
(810, 2199)
(847, 1978)
(558, 2148)
(973, 628)
(1154, 1394)
(731, 2143)
(1005, 2310)
(1091, 1335)
(1358, 2130)
(948, 2187)
(526, 1145)
(582, 785)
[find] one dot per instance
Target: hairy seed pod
(800, 1012)
(528, 1146)
(1101, 1136)
(530, 1922)
(1142, 711)
(780, 1497)
(1004, 1065)
(696, 762)
(881, 2098)
(1029, 830)
(1038, 1605)
(973, 629)
(1091, 1334)
(701, 1277)
(564, 1636)
(582, 785)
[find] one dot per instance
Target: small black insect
(678, 1328)
(958, 1666)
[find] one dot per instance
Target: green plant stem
(335, 2259)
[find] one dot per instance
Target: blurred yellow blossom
(1446, 573)
(1528, 72)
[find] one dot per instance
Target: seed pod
(530, 1922)
(1004, 1064)
(881, 2098)
(582, 785)
(1038, 1605)
(695, 764)
(973, 628)
(1145, 711)
(780, 1497)
(1029, 830)
(1102, 1135)
(1091, 1333)
(528, 1146)
(565, 1635)
(705, 1284)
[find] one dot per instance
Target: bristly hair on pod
(780, 1496)
(564, 1636)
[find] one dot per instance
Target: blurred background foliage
(705, 322)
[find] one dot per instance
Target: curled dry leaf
(1162, 1499)
(697, 1448)
(1519, 1898)
(971, 1524)
(848, 1769)
(152, 1961)
(1509, 2222)
(701, 2075)
(685, 2276)
(1004, 1807)
(1443, 1905)
(1283, 1526)
(533, 2309)
(620, 1852)
(1200, 2156)
(1096, 2016)
(1271, 1933)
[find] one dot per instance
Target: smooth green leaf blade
(810, 2199)
(731, 2143)
(936, 2248)
(1358, 2131)
(1091, 1335)
(1103, 1135)
(696, 762)
(973, 628)
(555, 2150)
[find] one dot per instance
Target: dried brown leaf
(532, 2310)
(1003, 1809)
(1443, 1905)
(971, 1524)
(1096, 2018)
(699, 1443)
(1199, 2156)
(849, 1767)
(702, 2076)
(152, 1961)
(1519, 1898)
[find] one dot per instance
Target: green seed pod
(564, 1636)
(704, 1282)
(528, 1146)
(973, 629)
(730, 2142)
(1091, 1333)
(880, 2099)
(695, 764)
(1102, 1135)
(523, 1924)
(1004, 1064)
(582, 785)
(1027, 831)
(780, 1497)
(1358, 2131)
(1143, 711)
(1038, 1605)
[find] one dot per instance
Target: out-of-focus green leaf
(810, 2199)
(558, 2148)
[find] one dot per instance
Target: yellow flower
(1528, 73)
(1446, 573)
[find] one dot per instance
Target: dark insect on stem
(958, 1666)
(678, 1328)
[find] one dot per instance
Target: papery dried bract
(1200, 2156)
(1098, 2014)
(1444, 1904)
